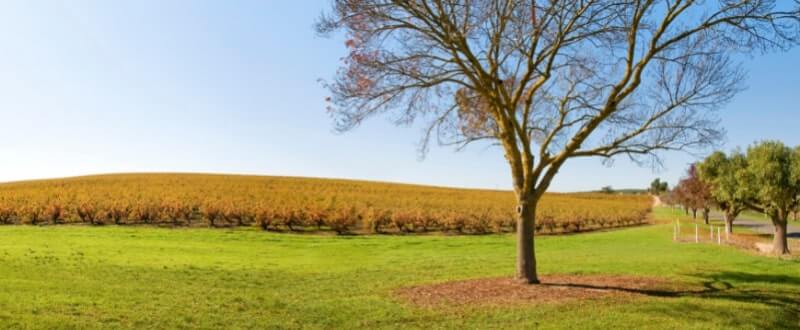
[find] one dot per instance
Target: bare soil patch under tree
(553, 289)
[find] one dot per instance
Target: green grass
(110, 277)
(753, 215)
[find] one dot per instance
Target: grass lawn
(107, 277)
(753, 215)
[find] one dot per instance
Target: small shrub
(7, 215)
(376, 220)
(342, 220)
(54, 213)
(403, 221)
(454, 221)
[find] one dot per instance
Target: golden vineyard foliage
(299, 204)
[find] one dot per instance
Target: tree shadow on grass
(768, 237)
(778, 292)
(708, 288)
(783, 291)
(754, 278)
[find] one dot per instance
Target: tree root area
(553, 289)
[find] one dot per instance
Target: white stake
(696, 234)
(675, 231)
(719, 236)
(711, 232)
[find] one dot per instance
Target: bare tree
(550, 80)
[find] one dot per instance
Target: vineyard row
(295, 204)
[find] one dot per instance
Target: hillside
(298, 204)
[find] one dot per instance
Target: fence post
(719, 236)
(675, 231)
(696, 234)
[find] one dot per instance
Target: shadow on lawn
(795, 235)
(740, 287)
(783, 293)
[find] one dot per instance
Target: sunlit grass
(101, 277)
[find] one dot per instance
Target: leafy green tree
(773, 173)
(658, 187)
(724, 176)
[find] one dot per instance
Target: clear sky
(232, 86)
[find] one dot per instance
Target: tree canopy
(695, 193)
(548, 81)
(658, 187)
(765, 179)
(774, 170)
(726, 178)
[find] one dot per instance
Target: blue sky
(232, 86)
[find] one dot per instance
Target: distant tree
(724, 174)
(607, 190)
(654, 186)
(680, 195)
(669, 198)
(695, 194)
(550, 81)
(773, 173)
(657, 187)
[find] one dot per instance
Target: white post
(696, 234)
(675, 231)
(719, 236)
(711, 232)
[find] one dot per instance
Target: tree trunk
(705, 215)
(728, 217)
(526, 255)
(779, 242)
(686, 210)
(694, 214)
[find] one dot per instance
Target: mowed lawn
(138, 277)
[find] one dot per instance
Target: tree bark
(705, 215)
(780, 245)
(526, 255)
(694, 214)
(728, 217)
